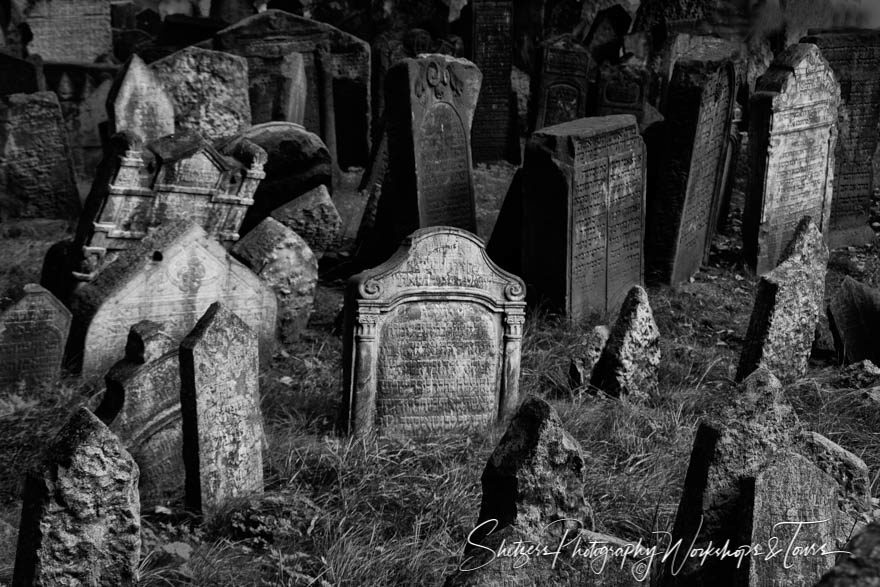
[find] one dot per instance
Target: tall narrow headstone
(220, 405)
(791, 148)
(565, 68)
(138, 103)
(69, 30)
(432, 339)
(854, 56)
(583, 211)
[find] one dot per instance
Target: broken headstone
(314, 217)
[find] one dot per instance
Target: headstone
(788, 303)
(20, 76)
(432, 339)
(583, 211)
(628, 363)
(232, 11)
(69, 30)
(122, 14)
(684, 195)
(138, 103)
(141, 405)
(854, 316)
(494, 136)
(209, 90)
(220, 405)
(171, 277)
(626, 88)
(80, 521)
(588, 351)
(792, 137)
(314, 217)
(33, 332)
(854, 57)
(861, 567)
(565, 67)
(36, 169)
(286, 264)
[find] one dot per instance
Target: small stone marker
(629, 361)
(583, 196)
(788, 303)
(588, 352)
(854, 55)
(791, 143)
(142, 406)
(69, 30)
(860, 568)
(170, 277)
(314, 217)
(209, 90)
(432, 339)
(565, 66)
(854, 317)
(139, 103)
(220, 405)
(33, 332)
(80, 521)
(286, 264)
(36, 168)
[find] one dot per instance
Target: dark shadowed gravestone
(314, 217)
(626, 88)
(80, 521)
(854, 318)
(791, 148)
(142, 407)
(220, 406)
(69, 30)
(33, 332)
(432, 339)
(788, 303)
(139, 103)
(587, 353)
(583, 214)
(20, 76)
(565, 65)
(860, 568)
(36, 168)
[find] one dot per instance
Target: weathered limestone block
(139, 103)
(588, 352)
(80, 522)
(854, 318)
(69, 30)
(861, 568)
(314, 217)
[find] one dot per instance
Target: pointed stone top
(137, 102)
(807, 246)
(219, 324)
(147, 341)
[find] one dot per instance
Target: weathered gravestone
(69, 30)
(33, 332)
(232, 11)
(80, 521)
(854, 56)
(861, 567)
(141, 405)
(314, 217)
(36, 169)
(337, 72)
(432, 339)
(854, 317)
(209, 90)
(627, 88)
(788, 303)
(20, 76)
(494, 133)
(138, 103)
(583, 214)
(792, 134)
(430, 108)
(220, 405)
(565, 68)
(171, 277)
(684, 193)
(586, 354)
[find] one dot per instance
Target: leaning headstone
(854, 56)
(80, 521)
(861, 567)
(432, 339)
(171, 277)
(788, 303)
(314, 217)
(20, 76)
(33, 332)
(791, 143)
(36, 168)
(854, 317)
(141, 405)
(588, 351)
(583, 196)
(69, 30)
(629, 361)
(138, 103)
(565, 65)
(284, 261)
(209, 90)
(220, 405)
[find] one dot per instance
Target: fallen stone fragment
(587, 353)
(314, 217)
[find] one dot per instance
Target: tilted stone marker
(209, 90)
(791, 148)
(139, 103)
(80, 521)
(854, 56)
(170, 277)
(33, 332)
(36, 169)
(583, 198)
(854, 316)
(432, 339)
(860, 568)
(314, 217)
(588, 351)
(220, 405)
(284, 261)
(69, 30)
(565, 67)
(141, 405)
(20, 76)
(788, 303)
